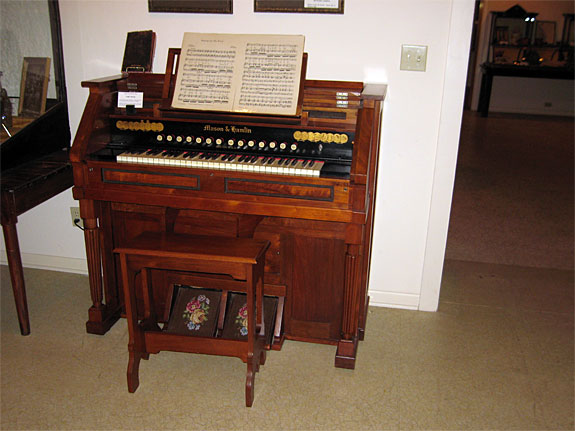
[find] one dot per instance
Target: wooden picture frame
(299, 6)
(191, 6)
(34, 86)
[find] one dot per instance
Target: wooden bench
(241, 259)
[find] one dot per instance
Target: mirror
(31, 66)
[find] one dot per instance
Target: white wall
(420, 126)
(525, 95)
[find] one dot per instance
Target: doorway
(512, 208)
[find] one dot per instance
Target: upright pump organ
(306, 183)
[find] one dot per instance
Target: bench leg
(133, 370)
(253, 365)
(250, 380)
(256, 336)
(136, 344)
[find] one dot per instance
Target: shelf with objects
(520, 45)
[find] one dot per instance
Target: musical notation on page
(239, 73)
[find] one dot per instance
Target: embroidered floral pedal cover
(195, 312)
(236, 321)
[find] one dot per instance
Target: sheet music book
(239, 73)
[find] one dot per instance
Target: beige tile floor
(513, 197)
(498, 355)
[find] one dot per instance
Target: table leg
(16, 275)
(485, 94)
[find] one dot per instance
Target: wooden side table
(23, 188)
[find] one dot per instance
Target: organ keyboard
(225, 161)
(305, 183)
(258, 149)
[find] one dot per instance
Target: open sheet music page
(239, 73)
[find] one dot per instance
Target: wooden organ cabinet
(307, 184)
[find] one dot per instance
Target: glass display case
(520, 45)
(512, 36)
(518, 38)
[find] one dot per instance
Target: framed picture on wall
(306, 6)
(34, 86)
(191, 6)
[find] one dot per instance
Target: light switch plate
(413, 57)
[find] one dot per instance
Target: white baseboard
(494, 109)
(52, 263)
(407, 301)
(79, 266)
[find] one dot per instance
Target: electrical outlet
(76, 219)
(413, 57)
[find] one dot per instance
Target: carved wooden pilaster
(111, 294)
(100, 318)
(347, 346)
(349, 324)
(92, 238)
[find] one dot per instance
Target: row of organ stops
(241, 144)
(224, 161)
